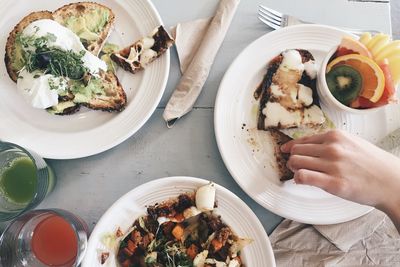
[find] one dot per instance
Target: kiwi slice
(344, 82)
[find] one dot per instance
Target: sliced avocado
(78, 26)
(97, 19)
(84, 93)
(18, 61)
(107, 59)
(60, 107)
(106, 52)
(109, 48)
(88, 26)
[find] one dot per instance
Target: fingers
(328, 137)
(312, 150)
(313, 139)
(322, 180)
(297, 162)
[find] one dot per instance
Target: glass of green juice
(25, 180)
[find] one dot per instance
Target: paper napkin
(297, 244)
(196, 72)
(188, 37)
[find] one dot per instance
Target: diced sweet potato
(217, 245)
(177, 232)
(192, 251)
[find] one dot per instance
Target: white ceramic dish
(129, 207)
(326, 96)
(87, 132)
(248, 153)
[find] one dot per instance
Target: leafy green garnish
(57, 62)
(37, 54)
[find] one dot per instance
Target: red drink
(54, 242)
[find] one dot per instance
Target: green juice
(18, 181)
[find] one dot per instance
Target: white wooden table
(89, 186)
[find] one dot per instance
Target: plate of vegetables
(179, 221)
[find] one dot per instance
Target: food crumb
(104, 257)
(119, 232)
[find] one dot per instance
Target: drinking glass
(48, 237)
(25, 180)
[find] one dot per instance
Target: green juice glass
(25, 180)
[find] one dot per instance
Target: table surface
(88, 186)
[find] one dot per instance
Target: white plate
(87, 132)
(248, 153)
(128, 208)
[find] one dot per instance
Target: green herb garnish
(38, 55)
(57, 62)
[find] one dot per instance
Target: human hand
(347, 166)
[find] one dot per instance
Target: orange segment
(373, 79)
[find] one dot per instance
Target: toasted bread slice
(144, 51)
(114, 98)
(64, 107)
(279, 139)
(12, 58)
(94, 30)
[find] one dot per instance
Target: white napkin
(196, 72)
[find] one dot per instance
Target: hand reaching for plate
(349, 167)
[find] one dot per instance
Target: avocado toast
(59, 50)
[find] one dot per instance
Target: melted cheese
(304, 95)
(311, 69)
(290, 103)
(276, 90)
(313, 115)
(141, 52)
(292, 61)
(277, 115)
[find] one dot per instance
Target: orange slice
(373, 79)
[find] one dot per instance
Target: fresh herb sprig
(57, 62)
(38, 55)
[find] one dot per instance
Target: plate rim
(175, 180)
(217, 131)
(103, 146)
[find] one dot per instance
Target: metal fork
(276, 20)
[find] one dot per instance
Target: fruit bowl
(327, 97)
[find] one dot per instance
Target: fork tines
(270, 17)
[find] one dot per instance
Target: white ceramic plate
(87, 132)
(128, 208)
(248, 153)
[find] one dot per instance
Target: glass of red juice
(44, 238)
(25, 180)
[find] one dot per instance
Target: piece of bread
(279, 139)
(137, 56)
(115, 98)
(80, 9)
(10, 45)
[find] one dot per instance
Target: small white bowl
(326, 96)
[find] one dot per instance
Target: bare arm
(349, 167)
